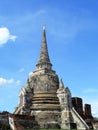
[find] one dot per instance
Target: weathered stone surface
(39, 97)
(46, 98)
(48, 119)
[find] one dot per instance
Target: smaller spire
(61, 85)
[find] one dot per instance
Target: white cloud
(90, 90)
(21, 70)
(92, 100)
(69, 24)
(5, 36)
(40, 12)
(5, 81)
(94, 108)
(18, 82)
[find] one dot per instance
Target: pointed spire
(44, 60)
(61, 85)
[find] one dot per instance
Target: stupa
(39, 96)
(46, 97)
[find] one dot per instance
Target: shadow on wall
(27, 121)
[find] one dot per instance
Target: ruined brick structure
(87, 110)
(47, 99)
(78, 105)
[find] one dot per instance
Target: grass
(47, 129)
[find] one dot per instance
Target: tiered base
(46, 108)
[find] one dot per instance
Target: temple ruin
(45, 97)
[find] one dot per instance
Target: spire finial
(44, 27)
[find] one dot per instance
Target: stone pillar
(24, 100)
(20, 100)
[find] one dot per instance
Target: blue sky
(72, 37)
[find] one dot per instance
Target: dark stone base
(48, 119)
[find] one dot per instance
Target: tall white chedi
(46, 98)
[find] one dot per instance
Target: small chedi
(49, 101)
